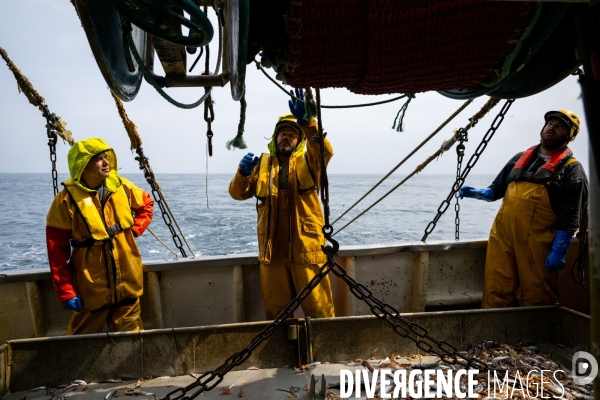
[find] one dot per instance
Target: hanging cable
(439, 128)
(258, 66)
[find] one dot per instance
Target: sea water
(214, 224)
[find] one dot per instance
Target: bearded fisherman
(285, 183)
(91, 228)
(545, 193)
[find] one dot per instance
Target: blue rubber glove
(247, 164)
(73, 304)
(556, 259)
(297, 107)
(486, 194)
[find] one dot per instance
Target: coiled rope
(150, 79)
(446, 145)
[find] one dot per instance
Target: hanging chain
(329, 250)
(403, 327)
(158, 198)
(51, 129)
(210, 379)
(460, 153)
(472, 161)
(209, 114)
(209, 117)
(208, 104)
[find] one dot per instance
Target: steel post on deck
(588, 37)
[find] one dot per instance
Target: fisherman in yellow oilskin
(91, 227)
(290, 220)
(545, 194)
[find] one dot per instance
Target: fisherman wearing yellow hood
(285, 183)
(91, 227)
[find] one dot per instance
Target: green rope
(238, 141)
(510, 58)
(402, 110)
(151, 80)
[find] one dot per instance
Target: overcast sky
(45, 40)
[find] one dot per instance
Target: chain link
(403, 327)
(211, 379)
(158, 198)
(209, 117)
(472, 161)
(51, 129)
(460, 153)
(329, 250)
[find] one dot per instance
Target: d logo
(585, 368)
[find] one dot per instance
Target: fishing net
(386, 46)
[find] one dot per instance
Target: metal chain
(403, 327)
(209, 117)
(329, 250)
(460, 153)
(472, 161)
(210, 379)
(51, 129)
(208, 104)
(158, 197)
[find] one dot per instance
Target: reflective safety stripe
(89, 213)
(303, 174)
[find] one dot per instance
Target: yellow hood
(273, 143)
(81, 153)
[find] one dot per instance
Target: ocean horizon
(214, 224)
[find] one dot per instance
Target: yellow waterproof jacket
(306, 215)
(101, 270)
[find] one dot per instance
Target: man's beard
(552, 143)
(284, 149)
